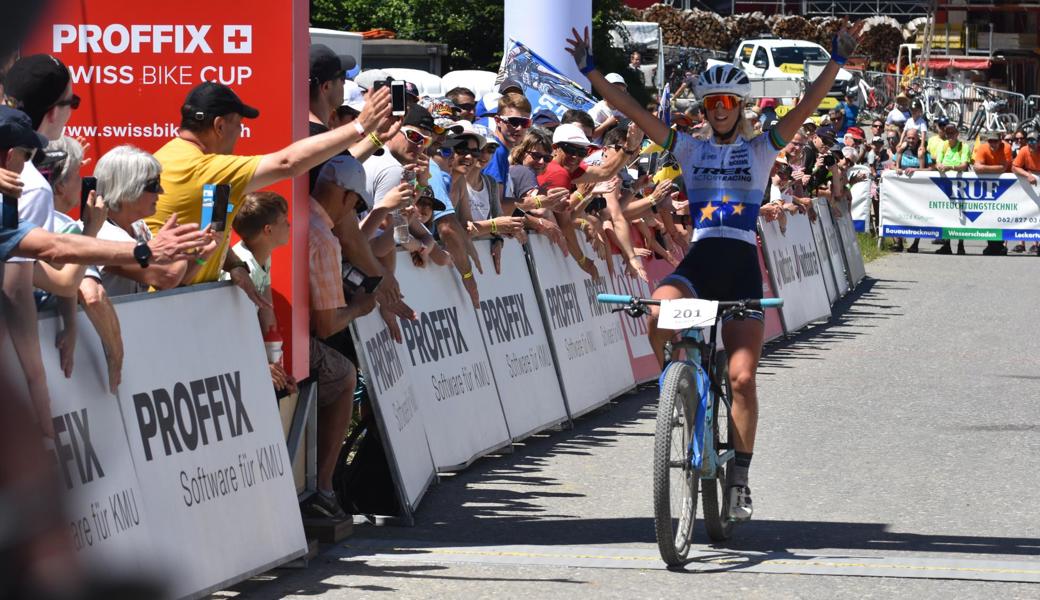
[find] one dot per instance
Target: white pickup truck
(779, 59)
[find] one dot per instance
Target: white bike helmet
(723, 79)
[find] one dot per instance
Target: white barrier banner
(832, 246)
(392, 392)
(825, 259)
(517, 344)
(590, 347)
(641, 355)
(850, 246)
(105, 512)
(797, 272)
(206, 438)
(861, 204)
(445, 358)
(961, 206)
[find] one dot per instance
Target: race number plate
(687, 313)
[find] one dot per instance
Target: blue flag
(543, 84)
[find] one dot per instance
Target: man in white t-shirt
(900, 112)
(603, 114)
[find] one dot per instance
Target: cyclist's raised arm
(621, 100)
(844, 44)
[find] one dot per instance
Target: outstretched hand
(580, 49)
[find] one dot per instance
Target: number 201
(686, 313)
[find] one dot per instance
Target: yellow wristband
(582, 260)
(581, 197)
(494, 226)
(468, 275)
(375, 140)
(537, 201)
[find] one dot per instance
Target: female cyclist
(726, 171)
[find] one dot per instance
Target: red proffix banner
(133, 64)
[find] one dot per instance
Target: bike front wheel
(714, 491)
(675, 483)
(953, 113)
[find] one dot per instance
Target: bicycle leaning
(692, 447)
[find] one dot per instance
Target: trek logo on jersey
(973, 196)
(117, 38)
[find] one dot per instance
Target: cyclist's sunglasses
(517, 122)
(539, 157)
(72, 101)
(152, 186)
(415, 137)
(721, 101)
(572, 150)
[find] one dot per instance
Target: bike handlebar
(749, 304)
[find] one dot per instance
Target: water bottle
(401, 233)
(273, 345)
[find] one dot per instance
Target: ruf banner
(963, 206)
(544, 85)
(133, 64)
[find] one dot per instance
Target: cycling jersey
(725, 183)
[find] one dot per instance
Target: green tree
(472, 29)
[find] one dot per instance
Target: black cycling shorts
(720, 269)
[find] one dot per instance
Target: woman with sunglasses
(725, 171)
(128, 183)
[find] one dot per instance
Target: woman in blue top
(725, 170)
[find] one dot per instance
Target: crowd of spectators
(452, 172)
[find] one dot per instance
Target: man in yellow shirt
(211, 123)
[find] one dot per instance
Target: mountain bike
(935, 105)
(994, 115)
(692, 445)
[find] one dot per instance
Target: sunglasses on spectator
(572, 150)
(722, 101)
(72, 101)
(1020, 138)
(877, 125)
(466, 106)
(464, 151)
(415, 137)
(152, 186)
(539, 157)
(1031, 141)
(517, 122)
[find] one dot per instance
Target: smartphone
(397, 98)
(381, 83)
(517, 212)
(215, 198)
(10, 215)
(89, 185)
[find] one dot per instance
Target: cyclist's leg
(743, 340)
(669, 290)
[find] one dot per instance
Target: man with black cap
(327, 77)
(386, 172)
(211, 123)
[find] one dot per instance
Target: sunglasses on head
(572, 150)
(414, 137)
(539, 157)
(518, 122)
(152, 186)
(72, 101)
(723, 101)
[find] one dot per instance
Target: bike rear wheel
(1008, 122)
(675, 483)
(953, 113)
(714, 494)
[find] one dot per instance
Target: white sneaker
(740, 508)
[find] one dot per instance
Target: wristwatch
(142, 254)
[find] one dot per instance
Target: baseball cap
(488, 104)
(437, 204)
(849, 153)
(489, 137)
(569, 133)
(17, 131)
(353, 97)
(942, 121)
(366, 79)
(545, 118)
(215, 99)
(326, 65)
(1033, 135)
(346, 172)
(417, 116)
(465, 129)
(856, 133)
(615, 78)
(510, 84)
(826, 133)
(37, 82)
(809, 121)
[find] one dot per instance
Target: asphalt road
(898, 455)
